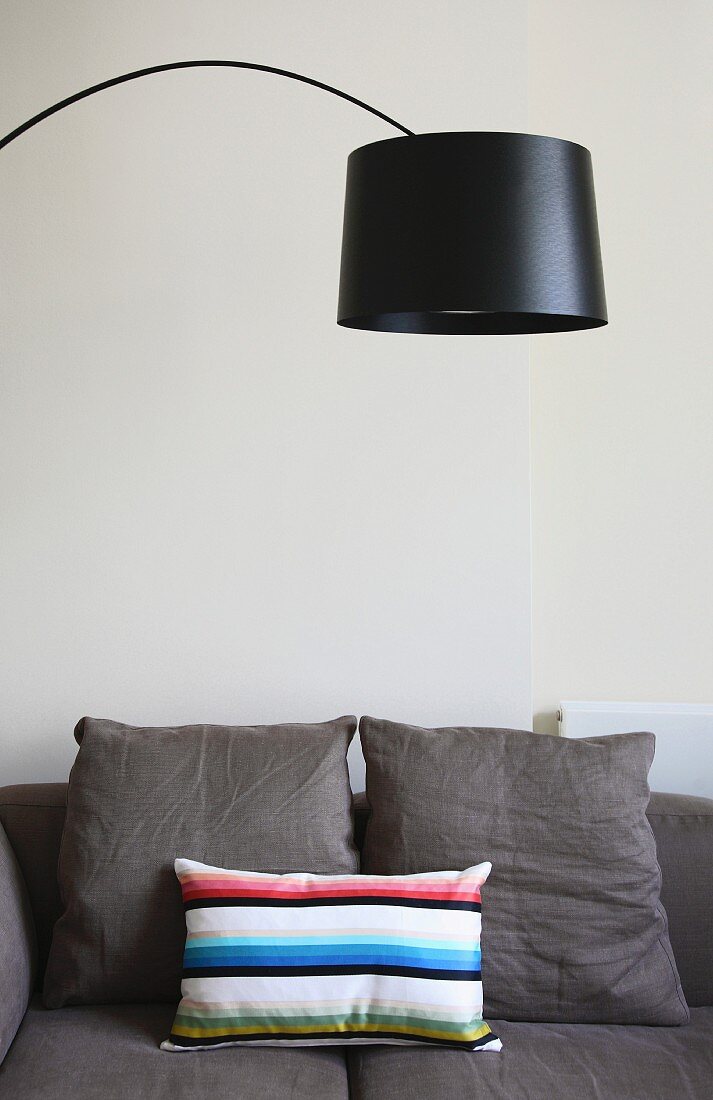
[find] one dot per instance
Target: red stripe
(359, 886)
(191, 893)
(283, 882)
(337, 887)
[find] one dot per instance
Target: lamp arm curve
(194, 65)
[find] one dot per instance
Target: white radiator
(683, 762)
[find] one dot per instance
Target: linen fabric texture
(266, 798)
(574, 929)
(310, 960)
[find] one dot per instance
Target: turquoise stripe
(324, 941)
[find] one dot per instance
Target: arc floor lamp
(453, 232)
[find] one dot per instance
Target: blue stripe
(448, 962)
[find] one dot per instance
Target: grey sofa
(112, 1051)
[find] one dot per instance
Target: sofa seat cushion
(112, 1052)
(549, 1062)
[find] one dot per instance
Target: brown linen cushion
(263, 798)
(575, 931)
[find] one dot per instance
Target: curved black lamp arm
(193, 65)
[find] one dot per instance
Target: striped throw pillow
(309, 960)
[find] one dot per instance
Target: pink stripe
(232, 892)
(327, 887)
(199, 882)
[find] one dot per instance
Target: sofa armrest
(18, 947)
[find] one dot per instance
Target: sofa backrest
(33, 817)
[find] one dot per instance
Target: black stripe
(303, 971)
(374, 1036)
(299, 903)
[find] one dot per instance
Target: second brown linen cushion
(262, 798)
(575, 931)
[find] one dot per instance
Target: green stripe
(349, 1019)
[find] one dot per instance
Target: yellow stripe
(210, 1033)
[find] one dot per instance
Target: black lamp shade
(471, 233)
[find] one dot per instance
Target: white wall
(622, 417)
(216, 505)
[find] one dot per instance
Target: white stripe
(321, 987)
(399, 919)
(325, 1008)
